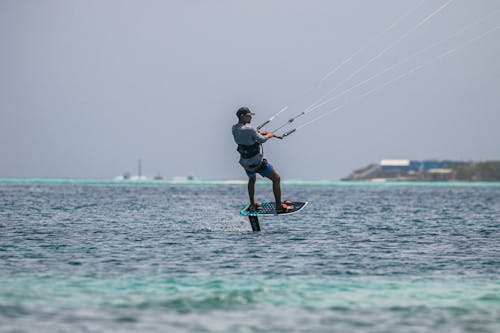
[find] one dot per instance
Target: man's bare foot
(284, 207)
(254, 207)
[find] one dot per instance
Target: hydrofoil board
(269, 209)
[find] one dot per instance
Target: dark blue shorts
(264, 169)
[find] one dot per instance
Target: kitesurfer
(249, 142)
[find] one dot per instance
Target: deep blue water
(99, 256)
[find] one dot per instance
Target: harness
(248, 151)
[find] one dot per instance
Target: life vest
(248, 151)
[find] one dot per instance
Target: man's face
(246, 118)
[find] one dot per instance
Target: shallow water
(94, 256)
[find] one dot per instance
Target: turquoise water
(104, 255)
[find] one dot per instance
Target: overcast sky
(89, 87)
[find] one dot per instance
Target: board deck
(269, 209)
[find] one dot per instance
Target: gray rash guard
(244, 134)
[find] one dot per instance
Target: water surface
(96, 256)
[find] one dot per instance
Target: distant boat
(158, 177)
(128, 176)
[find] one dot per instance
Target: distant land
(428, 170)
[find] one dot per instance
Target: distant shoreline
(237, 182)
(428, 171)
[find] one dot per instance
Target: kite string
(319, 83)
(442, 55)
(373, 40)
(414, 69)
(381, 53)
(320, 102)
(463, 29)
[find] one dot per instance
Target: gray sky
(88, 87)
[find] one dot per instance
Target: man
(249, 141)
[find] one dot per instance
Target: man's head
(244, 115)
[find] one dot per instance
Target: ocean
(159, 256)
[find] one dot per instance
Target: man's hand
(267, 134)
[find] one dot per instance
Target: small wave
(13, 311)
(217, 301)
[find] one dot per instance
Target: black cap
(243, 111)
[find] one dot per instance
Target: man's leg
(276, 179)
(251, 192)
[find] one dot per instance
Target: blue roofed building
(427, 165)
(395, 165)
(415, 166)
